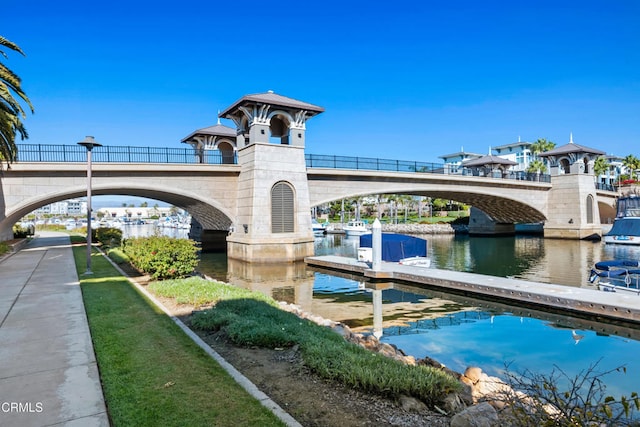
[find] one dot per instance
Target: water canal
(456, 330)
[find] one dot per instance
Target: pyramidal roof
(216, 130)
(571, 147)
(272, 98)
(489, 160)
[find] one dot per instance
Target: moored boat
(626, 226)
(400, 248)
(318, 229)
(617, 276)
(356, 228)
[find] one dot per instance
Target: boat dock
(572, 300)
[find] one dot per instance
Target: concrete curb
(237, 376)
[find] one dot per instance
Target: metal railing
(365, 163)
(125, 154)
(606, 187)
(121, 154)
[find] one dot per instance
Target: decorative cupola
(218, 137)
(266, 117)
(572, 158)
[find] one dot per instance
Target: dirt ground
(311, 400)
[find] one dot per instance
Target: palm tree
(537, 166)
(600, 166)
(11, 111)
(632, 163)
(540, 146)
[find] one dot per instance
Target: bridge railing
(606, 187)
(365, 163)
(125, 154)
(120, 154)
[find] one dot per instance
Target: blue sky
(401, 80)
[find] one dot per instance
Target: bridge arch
(210, 214)
(505, 202)
(500, 209)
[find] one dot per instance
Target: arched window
(589, 209)
(282, 209)
(565, 167)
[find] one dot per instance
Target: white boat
(626, 227)
(356, 228)
(617, 276)
(318, 229)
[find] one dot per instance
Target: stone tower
(573, 203)
(273, 219)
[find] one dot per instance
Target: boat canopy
(628, 207)
(625, 227)
(397, 246)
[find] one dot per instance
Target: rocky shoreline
(483, 395)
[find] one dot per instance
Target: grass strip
(152, 374)
(253, 319)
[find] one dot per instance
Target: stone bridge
(259, 205)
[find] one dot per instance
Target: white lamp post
(89, 143)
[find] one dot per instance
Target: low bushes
(108, 236)
(20, 232)
(252, 319)
(162, 257)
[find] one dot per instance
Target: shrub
(20, 232)
(108, 236)
(162, 257)
(4, 248)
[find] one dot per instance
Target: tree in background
(600, 166)
(11, 111)
(632, 163)
(537, 166)
(540, 146)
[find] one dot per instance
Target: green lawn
(152, 374)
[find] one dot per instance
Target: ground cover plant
(253, 319)
(151, 372)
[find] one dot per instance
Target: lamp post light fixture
(89, 143)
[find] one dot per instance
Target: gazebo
(489, 165)
(572, 158)
(218, 137)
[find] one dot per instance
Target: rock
(343, 330)
(480, 415)
(411, 404)
(473, 373)
(454, 403)
(485, 388)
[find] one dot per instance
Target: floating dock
(578, 301)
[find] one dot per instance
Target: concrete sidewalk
(48, 370)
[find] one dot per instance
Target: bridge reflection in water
(456, 330)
